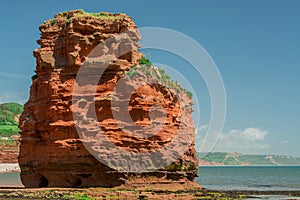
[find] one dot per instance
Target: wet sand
(9, 167)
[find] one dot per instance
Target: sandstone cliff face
(56, 151)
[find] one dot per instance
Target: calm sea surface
(10, 179)
(226, 178)
(249, 178)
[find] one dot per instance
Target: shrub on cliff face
(145, 61)
(154, 74)
(190, 94)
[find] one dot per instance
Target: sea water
(10, 180)
(250, 178)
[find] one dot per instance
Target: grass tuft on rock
(68, 16)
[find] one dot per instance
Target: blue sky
(255, 44)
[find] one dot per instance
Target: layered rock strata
(55, 150)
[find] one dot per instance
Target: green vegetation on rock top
(81, 13)
(64, 18)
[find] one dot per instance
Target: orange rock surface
(52, 152)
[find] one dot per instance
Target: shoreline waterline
(14, 167)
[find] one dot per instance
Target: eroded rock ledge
(51, 152)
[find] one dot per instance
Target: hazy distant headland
(238, 159)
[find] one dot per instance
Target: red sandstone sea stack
(56, 151)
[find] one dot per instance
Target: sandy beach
(9, 167)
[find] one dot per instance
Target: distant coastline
(238, 159)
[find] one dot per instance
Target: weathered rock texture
(51, 151)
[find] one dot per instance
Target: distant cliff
(223, 159)
(9, 119)
(9, 113)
